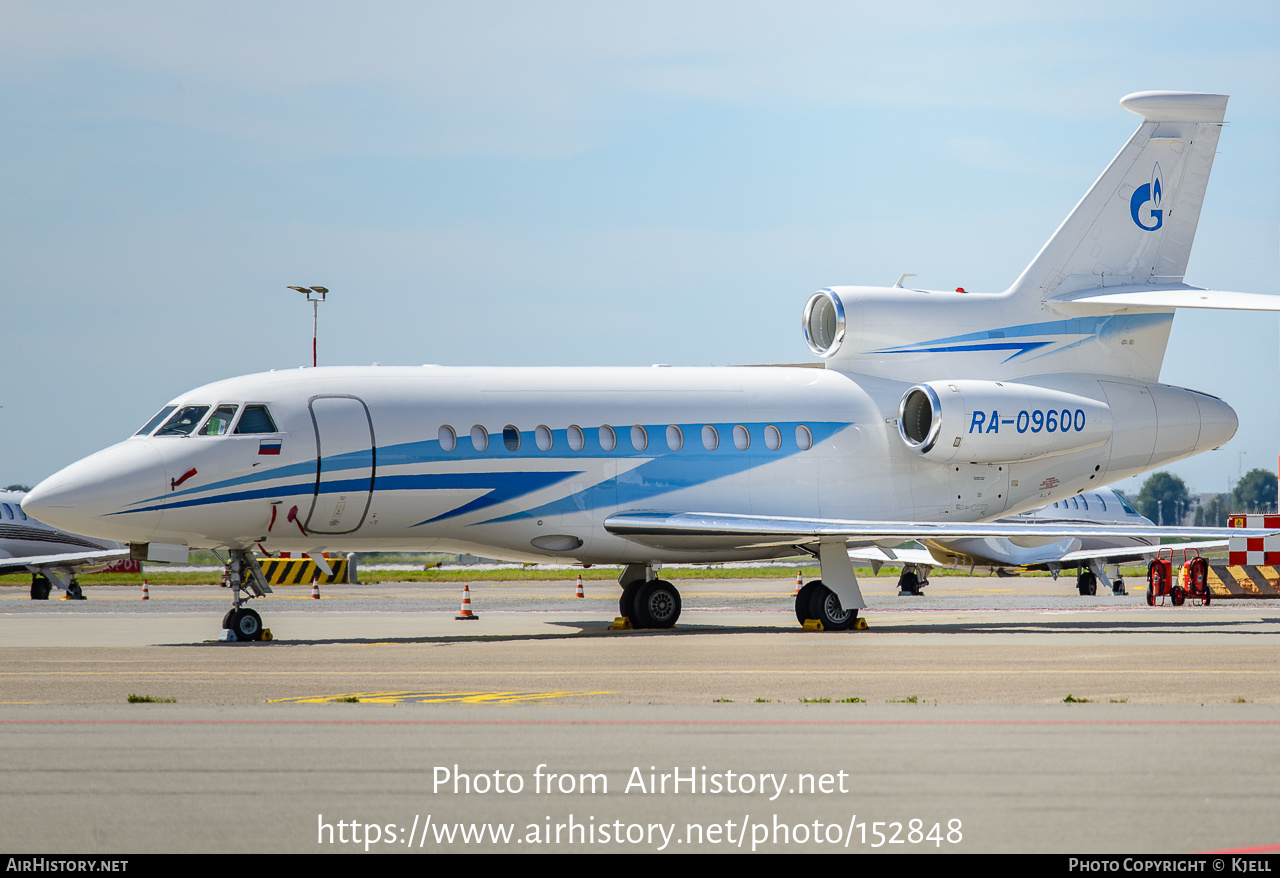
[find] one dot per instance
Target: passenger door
(345, 464)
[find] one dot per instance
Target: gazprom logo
(1148, 193)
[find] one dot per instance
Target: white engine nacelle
(998, 421)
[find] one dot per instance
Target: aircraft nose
(95, 496)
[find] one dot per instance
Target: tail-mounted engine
(998, 421)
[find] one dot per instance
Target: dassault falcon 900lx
(936, 413)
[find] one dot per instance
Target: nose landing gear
(244, 577)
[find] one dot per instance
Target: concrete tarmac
(988, 715)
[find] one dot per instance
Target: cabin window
(675, 438)
(183, 421)
(1102, 501)
(448, 438)
(543, 437)
(1085, 501)
(741, 438)
(479, 438)
(220, 421)
(804, 439)
(608, 438)
(639, 438)
(256, 419)
(8, 511)
(576, 438)
(511, 437)
(772, 438)
(155, 421)
(710, 438)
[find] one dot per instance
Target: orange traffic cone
(799, 582)
(146, 595)
(580, 594)
(315, 588)
(466, 613)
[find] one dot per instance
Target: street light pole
(315, 295)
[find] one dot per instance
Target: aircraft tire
(657, 605)
(74, 592)
(40, 587)
(1087, 583)
(803, 597)
(908, 584)
(824, 606)
(246, 624)
(627, 603)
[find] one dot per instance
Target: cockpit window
(256, 419)
(184, 421)
(154, 422)
(1127, 508)
(220, 421)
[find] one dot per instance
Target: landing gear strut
(244, 577)
(834, 603)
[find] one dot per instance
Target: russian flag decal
(269, 446)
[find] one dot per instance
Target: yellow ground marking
(432, 697)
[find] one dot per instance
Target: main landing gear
(244, 577)
(1087, 579)
(651, 603)
(913, 579)
(42, 585)
(815, 601)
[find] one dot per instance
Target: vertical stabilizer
(1136, 224)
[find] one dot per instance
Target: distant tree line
(1165, 500)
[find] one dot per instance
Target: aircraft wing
(701, 530)
(63, 561)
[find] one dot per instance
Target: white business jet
(1051, 551)
(51, 556)
(936, 413)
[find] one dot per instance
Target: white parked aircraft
(936, 412)
(53, 557)
(1053, 552)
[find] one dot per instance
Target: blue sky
(573, 183)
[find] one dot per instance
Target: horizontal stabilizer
(1136, 298)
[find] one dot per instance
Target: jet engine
(998, 421)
